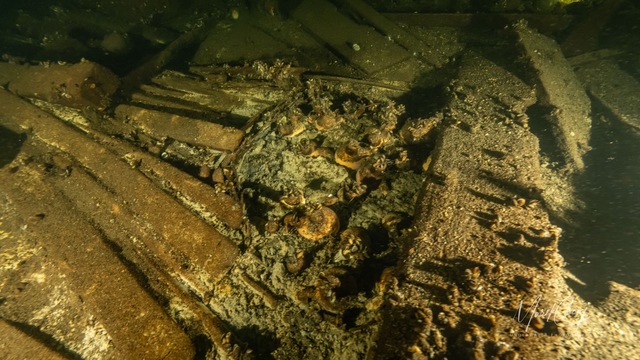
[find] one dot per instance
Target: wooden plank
(10, 72)
(456, 275)
(85, 84)
(16, 344)
(165, 274)
(194, 193)
(191, 99)
(192, 131)
(361, 45)
(561, 90)
(81, 264)
(585, 36)
(155, 65)
(392, 30)
(208, 253)
(614, 88)
(545, 23)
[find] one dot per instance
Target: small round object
(377, 138)
(372, 169)
(317, 223)
(307, 147)
(327, 121)
(295, 263)
(355, 47)
(537, 323)
(204, 172)
(330, 200)
(272, 226)
(291, 127)
(293, 199)
(519, 202)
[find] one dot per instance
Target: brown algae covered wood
(85, 84)
(192, 131)
(81, 296)
(209, 252)
(614, 88)
(357, 43)
(560, 90)
(474, 258)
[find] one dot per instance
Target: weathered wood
(361, 45)
(192, 131)
(85, 84)
(614, 88)
(239, 98)
(561, 90)
(83, 274)
(192, 192)
(239, 41)
(457, 291)
(545, 23)
(10, 72)
(192, 99)
(393, 31)
(139, 243)
(153, 66)
(17, 344)
(585, 36)
(209, 253)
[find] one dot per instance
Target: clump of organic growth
(329, 179)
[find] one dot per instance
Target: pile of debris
(402, 203)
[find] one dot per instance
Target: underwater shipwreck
(320, 180)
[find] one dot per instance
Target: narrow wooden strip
(197, 132)
(209, 253)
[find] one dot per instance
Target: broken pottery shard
(560, 90)
(615, 89)
(192, 131)
(85, 84)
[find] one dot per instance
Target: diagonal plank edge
(206, 252)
